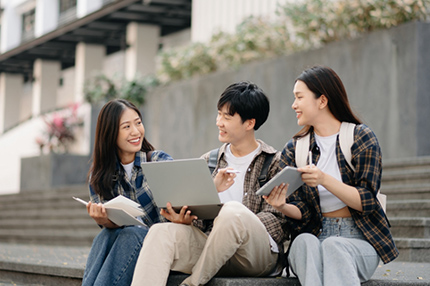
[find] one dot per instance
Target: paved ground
(71, 260)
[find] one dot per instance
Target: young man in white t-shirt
(246, 238)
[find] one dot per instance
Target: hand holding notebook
(121, 210)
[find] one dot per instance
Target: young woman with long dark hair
(119, 149)
(339, 229)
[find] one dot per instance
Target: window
(28, 25)
(67, 11)
(66, 5)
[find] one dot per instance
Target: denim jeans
(340, 256)
(113, 256)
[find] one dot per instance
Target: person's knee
(174, 231)
(333, 244)
(305, 240)
(233, 210)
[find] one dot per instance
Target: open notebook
(183, 183)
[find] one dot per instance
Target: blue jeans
(113, 256)
(340, 256)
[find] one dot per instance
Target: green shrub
(317, 22)
(301, 25)
(100, 89)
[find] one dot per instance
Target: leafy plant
(301, 25)
(184, 62)
(317, 22)
(101, 89)
(60, 130)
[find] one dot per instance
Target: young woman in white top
(338, 227)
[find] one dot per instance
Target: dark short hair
(247, 100)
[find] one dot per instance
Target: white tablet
(288, 175)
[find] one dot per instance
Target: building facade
(49, 48)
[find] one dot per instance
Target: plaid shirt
(271, 218)
(366, 158)
(137, 188)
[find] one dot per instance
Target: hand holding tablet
(288, 175)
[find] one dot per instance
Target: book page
(121, 217)
(121, 211)
(121, 202)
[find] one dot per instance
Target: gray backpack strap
(213, 159)
(302, 150)
(346, 139)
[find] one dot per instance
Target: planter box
(45, 172)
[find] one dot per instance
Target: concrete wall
(386, 74)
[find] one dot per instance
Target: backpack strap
(213, 159)
(262, 179)
(302, 150)
(346, 139)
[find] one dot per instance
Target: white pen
(310, 158)
(233, 171)
(80, 200)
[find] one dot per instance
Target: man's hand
(184, 216)
(224, 180)
(277, 196)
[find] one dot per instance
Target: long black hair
(323, 80)
(105, 156)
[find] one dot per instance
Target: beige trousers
(237, 246)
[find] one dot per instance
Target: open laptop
(183, 183)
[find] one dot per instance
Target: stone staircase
(45, 236)
(47, 217)
(406, 182)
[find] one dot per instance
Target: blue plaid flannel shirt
(366, 158)
(137, 188)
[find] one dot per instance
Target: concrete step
(55, 223)
(413, 249)
(406, 175)
(402, 191)
(407, 181)
(54, 203)
(34, 197)
(412, 163)
(63, 211)
(36, 265)
(416, 227)
(71, 237)
(408, 208)
(406, 178)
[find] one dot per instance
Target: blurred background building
(49, 48)
(60, 60)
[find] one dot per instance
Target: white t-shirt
(128, 168)
(328, 164)
(235, 192)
